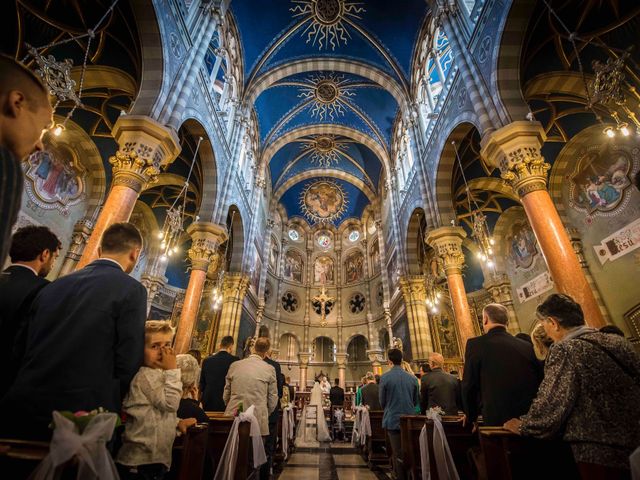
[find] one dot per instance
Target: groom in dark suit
(84, 340)
(214, 374)
(34, 249)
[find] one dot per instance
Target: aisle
(332, 461)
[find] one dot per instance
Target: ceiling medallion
(324, 149)
(323, 201)
(327, 94)
(327, 20)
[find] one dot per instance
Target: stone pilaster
(341, 362)
(303, 358)
(81, 233)
(414, 292)
(376, 357)
(234, 288)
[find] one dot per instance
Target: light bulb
(435, 302)
(160, 235)
(57, 130)
(490, 251)
(479, 255)
(434, 310)
(490, 264)
(175, 249)
(483, 257)
(170, 252)
(609, 132)
(163, 258)
(429, 303)
(492, 241)
(438, 294)
(624, 130)
(163, 245)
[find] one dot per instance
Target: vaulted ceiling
(327, 79)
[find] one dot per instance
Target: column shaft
(190, 308)
(461, 308)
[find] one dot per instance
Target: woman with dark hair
(590, 393)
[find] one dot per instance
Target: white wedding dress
(307, 428)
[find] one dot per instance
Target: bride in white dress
(309, 427)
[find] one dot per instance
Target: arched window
(288, 348)
(357, 349)
(323, 350)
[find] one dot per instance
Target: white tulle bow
(442, 455)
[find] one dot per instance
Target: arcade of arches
(348, 167)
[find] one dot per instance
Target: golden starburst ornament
(327, 20)
(328, 94)
(324, 150)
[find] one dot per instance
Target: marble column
(341, 361)
(206, 238)
(515, 150)
(304, 364)
(234, 288)
(415, 295)
(145, 147)
(447, 242)
(81, 233)
(499, 287)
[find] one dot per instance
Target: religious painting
(380, 295)
(323, 201)
(375, 257)
(447, 336)
(293, 266)
(521, 245)
(354, 267)
(54, 179)
(273, 255)
(600, 178)
(267, 292)
(323, 270)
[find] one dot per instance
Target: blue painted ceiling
(374, 33)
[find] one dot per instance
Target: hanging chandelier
(481, 234)
(173, 226)
(433, 290)
(56, 75)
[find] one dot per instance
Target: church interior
(348, 176)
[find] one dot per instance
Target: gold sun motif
(324, 149)
(328, 94)
(323, 201)
(327, 20)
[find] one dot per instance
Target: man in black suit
(84, 340)
(438, 388)
(270, 444)
(500, 371)
(336, 394)
(34, 249)
(370, 392)
(214, 373)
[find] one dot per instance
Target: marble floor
(331, 461)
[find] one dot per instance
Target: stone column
(303, 357)
(341, 361)
(376, 358)
(338, 305)
(447, 242)
(499, 287)
(81, 233)
(415, 295)
(515, 150)
(235, 285)
(207, 237)
(145, 148)
(153, 284)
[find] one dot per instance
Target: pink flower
(80, 413)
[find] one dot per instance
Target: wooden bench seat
(376, 451)
(189, 453)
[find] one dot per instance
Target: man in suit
(85, 339)
(25, 114)
(270, 444)
(370, 392)
(34, 250)
(438, 388)
(398, 396)
(501, 372)
(252, 381)
(336, 394)
(213, 375)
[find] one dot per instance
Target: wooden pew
(219, 429)
(460, 440)
(21, 457)
(376, 443)
(410, 428)
(508, 456)
(189, 453)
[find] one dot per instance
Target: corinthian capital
(206, 238)
(515, 150)
(447, 242)
(413, 288)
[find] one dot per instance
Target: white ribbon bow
(634, 460)
(444, 461)
(94, 461)
(226, 467)
(355, 436)
(365, 425)
(287, 429)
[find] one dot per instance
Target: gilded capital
(145, 148)
(304, 359)
(515, 150)
(341, 359)
(447, 242)
(235, 285)
(413, 288)
(206, 238)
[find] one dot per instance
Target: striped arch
(324, 129)
(236, 231)
(414, 242)
(446, 165)
(324, 173)
(492, 184)
(151, 47)
(266, 80)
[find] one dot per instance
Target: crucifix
(323, 299)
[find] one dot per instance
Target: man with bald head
(501, 372)
(25, 114)
(439, 389)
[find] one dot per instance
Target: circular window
(294, 235)
(354, 236)
(324, 240)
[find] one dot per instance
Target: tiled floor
(331, 461)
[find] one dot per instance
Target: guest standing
(190, 375)
(214, 372)
(439, 389)
(270, 444)
(398, 396)
(25, 114)
(590, 393)
(85, 339)
(336, 394)
(33, 253)
(370, 392)
(501, 372)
